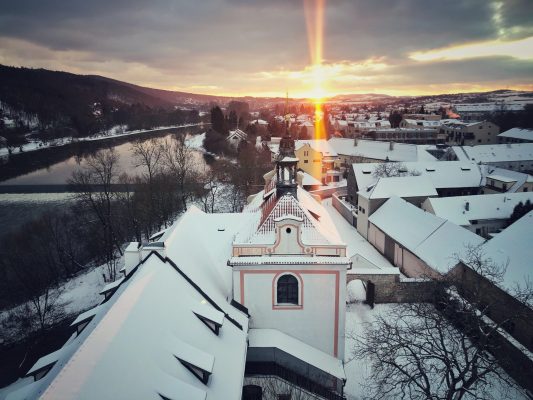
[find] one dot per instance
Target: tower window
(287, 290)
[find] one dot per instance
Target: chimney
(467, 206)
(391, 145)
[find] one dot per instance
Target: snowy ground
(77, 295)
(113, 133)
(358, 316)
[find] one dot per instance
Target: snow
(432, 239)
(76, 295)
(487, 153)
(355, 291)
(364, 256)
(519, 178)
(196, 142)
(275, 339)
(443, 174)
(480, 207)
(401, 186)
(518, 133)
(114, 133)
(140, 331)
(380, 150)
(513, 247)
(358, 372)
(320, 145)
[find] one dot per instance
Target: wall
(310, 161)
(343, 208)
(389, 288)
(319, 319)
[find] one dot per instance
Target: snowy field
(77, 295)
(358, 316)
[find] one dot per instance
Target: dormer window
(213, 325)
(198, 372)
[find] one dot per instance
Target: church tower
(286, 162)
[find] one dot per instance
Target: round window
(288, 230)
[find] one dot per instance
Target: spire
(286, 161)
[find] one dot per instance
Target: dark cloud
(218, 38)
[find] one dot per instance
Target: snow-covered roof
(320, 145)
(263, 211)
(512, 247)
(432, 239)
(480, 207)
(145, 345)
(488, 107)
(380, 150)
(312, 356)
(449, 174)
(401, 186)
(518, 133)
(153, 319)
(309, 180)
(487, 153)
(504, 175)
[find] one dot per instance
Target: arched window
(287, 290)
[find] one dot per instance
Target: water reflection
(59, 172)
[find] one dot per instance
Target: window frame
(287, 306)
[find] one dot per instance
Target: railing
(303, 382)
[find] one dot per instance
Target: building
(414, 189)
(356, 150)
(516, 156)
(481, 214)
(516, 135)
(419, 243)
(408, 135)
(451, 178)
(511, 249)
(479, 111)
(470, 133)
(236, 136)
(215, 306)
(500, 180)
(420, 123)
(318, 159)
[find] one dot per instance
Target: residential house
(450, 178)
(419, 243)
(500, 180)
(236, 136)
(481, 214)
(470, 133)
(414, 189)
(318, 159)
(516, 135)
(515, 156)
(357, 150)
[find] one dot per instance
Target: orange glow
(314, 18)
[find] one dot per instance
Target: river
(35, 182)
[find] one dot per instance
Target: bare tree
(389, 169)
(94, 186)
(441, 350)
(208, 188)
(179, 160)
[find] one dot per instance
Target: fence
(343, 208)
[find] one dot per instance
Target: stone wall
(390, 288)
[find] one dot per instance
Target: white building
(516, 156)
(236, 136)
(419, 243)
(516, 135)
(481, 214)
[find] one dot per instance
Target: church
(246, 305)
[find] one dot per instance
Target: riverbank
(40, 145)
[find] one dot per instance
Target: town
(266, 200)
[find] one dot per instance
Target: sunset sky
(263, 47)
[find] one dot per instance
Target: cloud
(260, 46)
